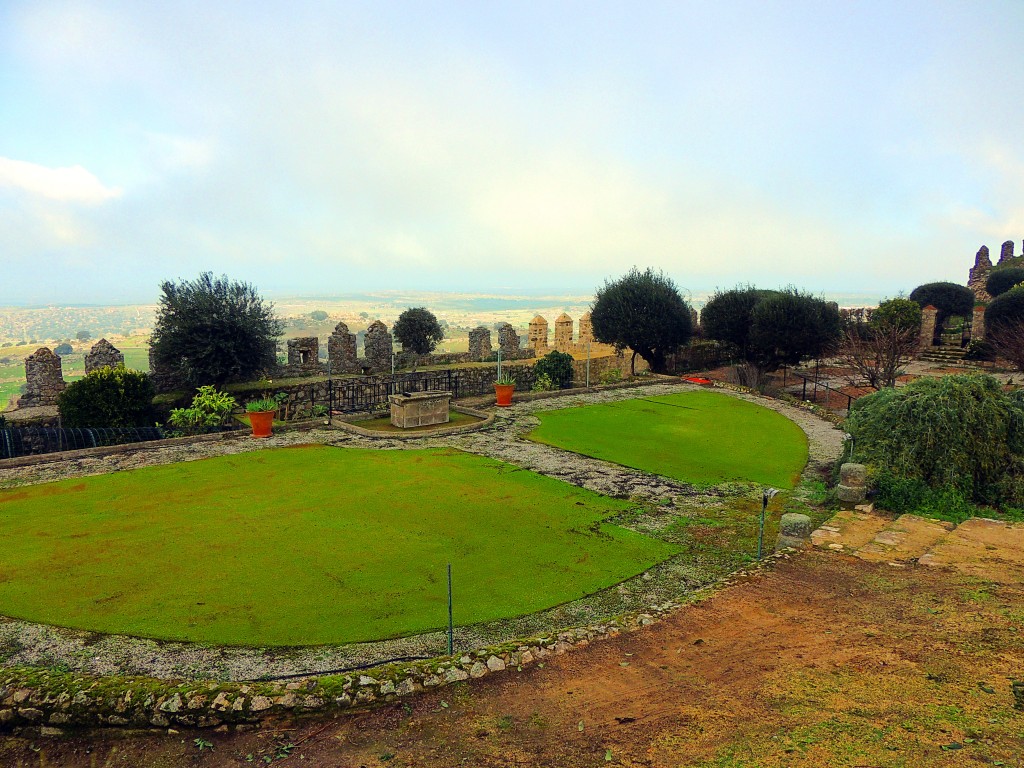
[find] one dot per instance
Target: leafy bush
(543, 383)
(1003, 279)
(611, 376)
(948, 298)
(108, 397)
(790, 326)
(1006, 308)
(957, 434)
(902, 495)
(980, 349)
(209, 410)
(557, 367)
(63, 349)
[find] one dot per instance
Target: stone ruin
(103, 355)
(480, 343)
(563, 333)
(587, 330)
(563, 342)
(341, 350)
(508, 340)
(378, 346)
(44, 379)
(978, 275)
(537, 334)
(304, 356)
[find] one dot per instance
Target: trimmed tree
(214, 330)
(1004, 325)
(1003, 279)
(948, 298)
(727, 316)
(790, 326)
(642, 311)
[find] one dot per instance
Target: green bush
(108, 397)
(543, 383)
(1002, 280)
(209, 410)
(557, 366)
(948, 298)
(611, 376)
(959, 435)
(1005, 309)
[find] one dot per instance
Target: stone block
(420, 409)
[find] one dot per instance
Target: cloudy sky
(334, 147)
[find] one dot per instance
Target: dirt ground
(823, 660)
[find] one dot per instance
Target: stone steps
(989, 549)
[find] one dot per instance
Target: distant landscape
(23, 329)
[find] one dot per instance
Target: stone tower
(479, 343)
(508, 340)
(586, 330)
(563, 333)
(978, 275)
(537, 337)
(44, 379)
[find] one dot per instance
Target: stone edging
(49, 699)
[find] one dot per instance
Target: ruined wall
(341, 350)
(378, 346)
(44, 379)
(103, 355)
(479, 343)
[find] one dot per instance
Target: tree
(108, 397)
(319, 315)
(418, 330)
(63, 349)
(727, 316)
(1004, 325)
(949, 298)
(557, 367)
(83, 335)
(214, 330)
(1003, 279)
(789, 326)
(642, 311)
(878, 350)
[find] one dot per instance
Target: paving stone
(905, 539)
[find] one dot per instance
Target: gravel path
(27, 643)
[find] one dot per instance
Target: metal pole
(499, 362)
(588, 365)
(330, 394)
(760, 532)
(392, 363)
(451, 641)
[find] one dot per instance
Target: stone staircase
(945, 355)
(989, 549)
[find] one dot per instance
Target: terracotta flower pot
(262, 423)
(503, 394)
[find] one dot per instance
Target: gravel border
(27, 643)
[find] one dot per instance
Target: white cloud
(74, 184)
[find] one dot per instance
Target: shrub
(790, 326)
(209, 410)
(543, 383)
(1006, 308)
(611, 376)
(63, 349)
(108, 397)
(557, 367)
(1003, 279)
(959, 434)
(948, 298)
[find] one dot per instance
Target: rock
(367, 680)
(6, 715)
(197, 702)
(173, 704)
(388, 686)
(60, 718)
(478, 670)
(794, 531)
(406, 687)
(526, 658)
(222, 701)
(365, 696)
(432, 682)
(118, 720)
(293, 686)
(161, 721)
(260, 703)
(343, 701)
(288, 701)
(50, 731)
(494, 664)
(455, 674)
(312, 702)
(31, 714)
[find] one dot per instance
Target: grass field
(698, 437)
(307, 545)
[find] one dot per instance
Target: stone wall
(929, 315)
(378, 346)
(341, 350)
(508, 340)
(103, 355)
(537, 335)
(978, 275)
(563, 333)
(480, 343)
(44, 379)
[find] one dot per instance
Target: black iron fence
(30, 441)
(814, 390)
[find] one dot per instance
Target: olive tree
(642, 311)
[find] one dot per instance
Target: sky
(523, 147)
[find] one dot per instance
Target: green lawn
(307, 545)
(698, 437)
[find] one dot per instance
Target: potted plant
(261, 415)
(504, 386)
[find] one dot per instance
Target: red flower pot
(262, 423)
(503, 394)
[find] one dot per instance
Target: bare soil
(823, 660)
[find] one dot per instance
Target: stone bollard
(852, 489)
(794, 531)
